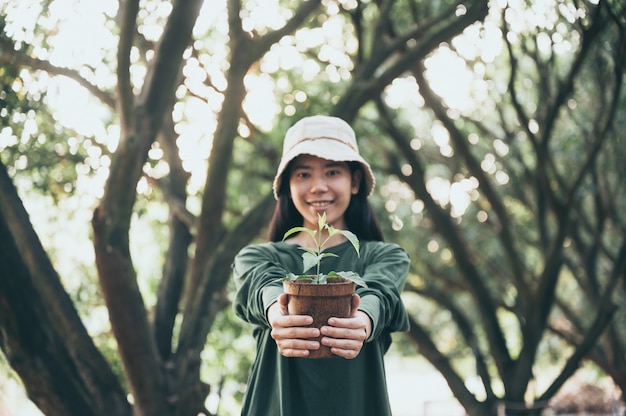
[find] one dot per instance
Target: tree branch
(19, 59)
(430, 351)
(128, 23)
(482, 297)
(111, 220)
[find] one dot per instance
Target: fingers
(346, 336)
(296, 347)
(284, 320)
(292, 340)
(283, 299)
(359, 321)
(343, 348)
(292, 332)
(344, 342)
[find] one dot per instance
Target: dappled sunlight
(195, 117)
(449, 77)
(285, 57)
(432, 246)
(417, 206)
(260, 103)
(70, 101)
(441, 137)
(458, 194)
(491, 165)
(292, 98)
(334, 47)
(402, 93)
(7, 138)
(152, 19)
(262, 14)
(461, 196)
(439, 189)
(65, 19)
(446, 70)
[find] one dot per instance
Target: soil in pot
(321, 301)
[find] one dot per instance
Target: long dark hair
(359, 216)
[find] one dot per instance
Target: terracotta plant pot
(321, 302)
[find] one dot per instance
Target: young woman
(321, 170)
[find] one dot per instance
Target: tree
(43, 336)
(515, 202)
(536, 244)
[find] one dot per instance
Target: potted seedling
(321, 295)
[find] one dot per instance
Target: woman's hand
(346, 336)
(290, 331)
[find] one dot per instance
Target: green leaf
(290, 276)
(350, 276)
(319, 279)
(353, 239)
(308, 250)
(312, 257)
(297, 230)
(321, 221)
(309, 260)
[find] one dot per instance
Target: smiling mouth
(320, 204)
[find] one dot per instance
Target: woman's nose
(319, 184)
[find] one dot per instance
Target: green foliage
(312, 258)
(34, 144)
(32, 141)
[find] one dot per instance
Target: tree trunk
(40, 331)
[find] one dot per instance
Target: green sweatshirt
(285, 386)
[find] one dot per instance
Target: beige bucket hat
(328, 137)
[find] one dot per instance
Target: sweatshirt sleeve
(257, 275)
(385, 272)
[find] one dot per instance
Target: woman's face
(318, 185)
